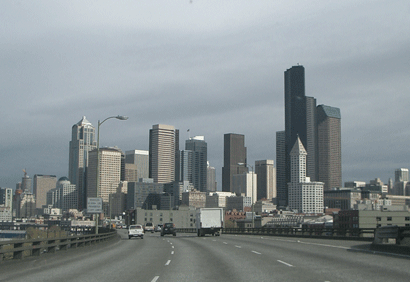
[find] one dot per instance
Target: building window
(407, 218)
(145, 219)
(170, 219)
(378, 218)
(160, 219)
(389, 218)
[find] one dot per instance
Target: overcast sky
(213, 67)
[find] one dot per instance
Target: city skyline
(209, 67)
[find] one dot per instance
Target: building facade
(210, 178)
(234, 159)
(164, 153)
(140, 158)
(329, 146)
(41, 185)
(109, 174)
(82, 142)
(199, 149)
(266, 178)
(304, 196)
(245, 184)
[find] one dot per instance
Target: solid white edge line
(168, 262)
(155, 279)
(285, 263)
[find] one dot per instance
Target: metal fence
(365, 234)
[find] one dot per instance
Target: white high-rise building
(110, 174)
(164, 153)
(304, 196)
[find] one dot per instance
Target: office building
(266, 179)
(109, 174)
(319, 130)
(164, 153)
(281, 184)
(329, 146)
(41, 185)
(401, 174)
(211, 178)
(245, 184)
(26, 183)
(82, 142)
(144, 194)
(199, 149)
(194, 198)
(140, 158)
(6, 197)
(304, 196)
(234, 159)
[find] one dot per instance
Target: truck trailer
(209, 221)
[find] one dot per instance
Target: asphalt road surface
(187, 257)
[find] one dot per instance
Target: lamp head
(121, 117)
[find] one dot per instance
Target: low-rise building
(185, 217)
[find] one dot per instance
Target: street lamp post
(98, 160)
(252, 208)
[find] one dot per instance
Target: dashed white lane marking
(238, 247)
(213, 240)
(324, 245)
(255, 252)
(168, 262)
(285, 263)
(173, 247)
(225, 243)
(155, 279)
(172, 252)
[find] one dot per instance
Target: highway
(187, 257)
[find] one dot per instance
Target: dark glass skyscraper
(199, 149)
(234, 153)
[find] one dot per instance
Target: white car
(136, 231)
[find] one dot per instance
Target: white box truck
(209, 221)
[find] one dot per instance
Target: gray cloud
(213, 67)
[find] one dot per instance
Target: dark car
(168, 228)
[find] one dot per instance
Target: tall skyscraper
(26, 183)
(164, 153)
(110, 174)
(82, 142)
(211, 178)
(234, 153)
(304, 196)
(281, 184)
(401, 174)
(41, 185)
(199, 149)
(141, 159)
(311, 139)
(266, 176)
(318, 128)
(329, 146)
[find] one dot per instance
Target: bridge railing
(19, 249)
(399, 235)
(365, 234)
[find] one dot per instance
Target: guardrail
(364, 234)
(19, 249)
